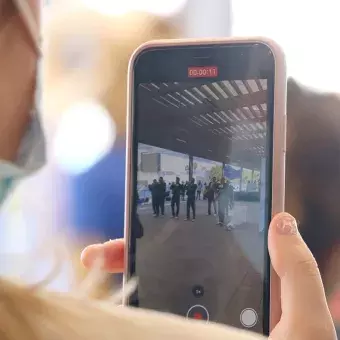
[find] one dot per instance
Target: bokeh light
(85, 134)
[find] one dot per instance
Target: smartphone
(205, 173)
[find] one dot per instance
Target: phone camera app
(201, 196)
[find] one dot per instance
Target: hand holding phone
(300, 264)
(213, 113)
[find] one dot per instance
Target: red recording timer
(203, 72)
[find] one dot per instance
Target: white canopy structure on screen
(209, 118)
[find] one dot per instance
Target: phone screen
(201, 170)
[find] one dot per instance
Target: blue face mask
(31, 157)
(5, 187)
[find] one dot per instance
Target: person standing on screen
(214, 188)
(176, 189)
(152, 188)
(210, 195)
(205, 188)
(230, 204)
(199, 190)
(231, 195)
(161, 192)
(224, 199)
(191, 199)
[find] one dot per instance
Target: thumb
(302, 292)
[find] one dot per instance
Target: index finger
(113, 255)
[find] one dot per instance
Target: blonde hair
(32, 313)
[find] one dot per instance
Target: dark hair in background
(313, 172)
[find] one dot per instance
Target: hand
(305, 314)
(113, 255)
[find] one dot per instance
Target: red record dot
(198, 316)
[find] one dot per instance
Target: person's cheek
(35, 6)
(34, 3)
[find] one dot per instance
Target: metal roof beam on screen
(223, 104)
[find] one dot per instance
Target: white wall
(307, 30)
(204, 19)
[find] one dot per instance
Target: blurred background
(87, 45)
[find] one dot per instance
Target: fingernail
(109, 241)
(90, 254)
(286, 224)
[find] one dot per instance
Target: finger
(113, 255)
(302, 292)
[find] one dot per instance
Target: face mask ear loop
(30, 22)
